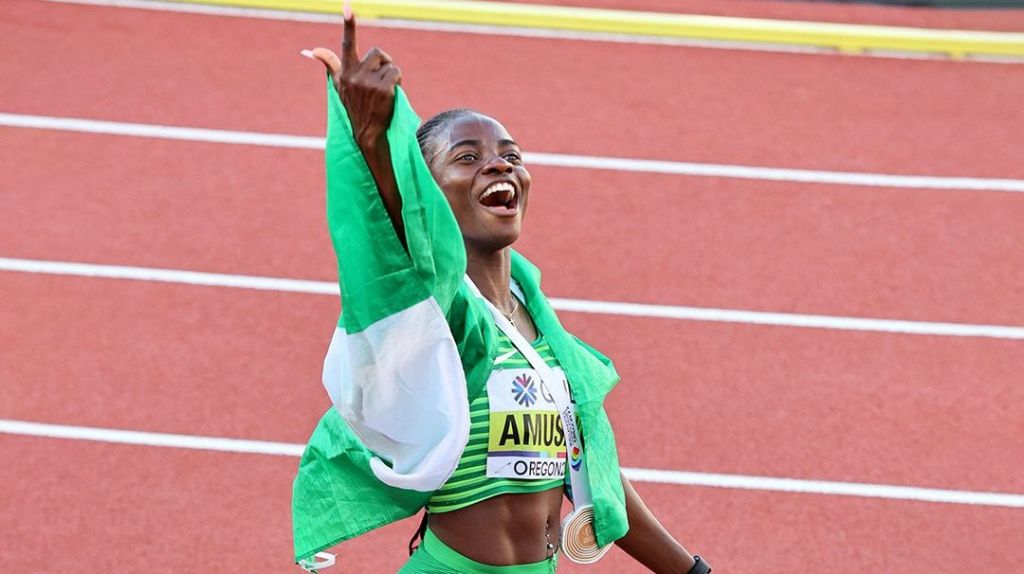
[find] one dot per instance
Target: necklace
(515, 306)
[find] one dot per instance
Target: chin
(499, 242)
(494, 241)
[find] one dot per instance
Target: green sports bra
(470, 483)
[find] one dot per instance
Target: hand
(367, 90)
(366, 86)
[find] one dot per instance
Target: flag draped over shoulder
(393, 369)
(412, 347)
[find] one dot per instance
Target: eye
(513, 157)
(467, 157)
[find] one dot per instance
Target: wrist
(372, 138)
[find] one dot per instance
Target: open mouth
(501, 198)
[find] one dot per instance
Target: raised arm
(393, 232)
(367, 90)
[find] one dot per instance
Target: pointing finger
(349, 52)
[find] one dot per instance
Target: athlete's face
(479, 168)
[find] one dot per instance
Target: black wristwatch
(700, 566)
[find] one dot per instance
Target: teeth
(500, 186)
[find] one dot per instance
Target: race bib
(525, 439)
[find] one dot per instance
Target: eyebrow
(477, 142)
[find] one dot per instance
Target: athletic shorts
(435, 557)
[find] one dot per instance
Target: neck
(492, 272)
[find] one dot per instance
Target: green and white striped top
(470, 484)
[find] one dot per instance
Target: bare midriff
(504, 530)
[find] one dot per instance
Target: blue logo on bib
(524, 390)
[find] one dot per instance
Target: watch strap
(700, 566)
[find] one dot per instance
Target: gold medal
(578, 540)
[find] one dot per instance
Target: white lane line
(566, 305)
(683, 478)
(141, 438)
(169, 276)
(776, 173)
(545, 159)
(160, 131)
(804, 486)
(789, 319)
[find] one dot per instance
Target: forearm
(377, 154)
(647, 540)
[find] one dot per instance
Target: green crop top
(537, 427)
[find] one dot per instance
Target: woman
(490, 479)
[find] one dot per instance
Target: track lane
(245, 364)
(857, 114)
(217, 362)
(826, 405)
(89, 507)
(804, 248)
(252, 208)
(184, 511)
(778, 246)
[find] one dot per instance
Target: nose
(498, 165)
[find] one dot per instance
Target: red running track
(924, 411)
(653, 102)
(869, 252)
(787, 402)
(87, 507)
